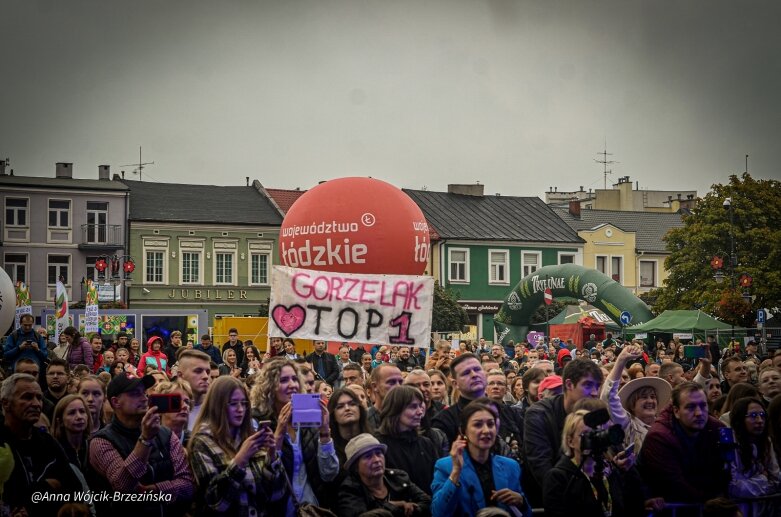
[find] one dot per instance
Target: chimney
(466, 190)
(247, 180)
(574, 208)
(581, 188)
(64, 170)
(104, 172)
(679, 196)
(3, 165)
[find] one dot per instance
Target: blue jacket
(13, 352)
(468, 499)
(212, 352)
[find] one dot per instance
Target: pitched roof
(152, 201)
(285, 198)
(61, 183)
(494, 218)
(649, 227)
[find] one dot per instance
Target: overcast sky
(519, 95)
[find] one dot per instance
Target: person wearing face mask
(472, 477)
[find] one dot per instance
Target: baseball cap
(550, 382)
(124, 382)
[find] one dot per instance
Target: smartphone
(166, 402)
(693, 351)
(264, 423)
(629, 450)
(306, 410)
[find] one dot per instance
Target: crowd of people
(604, 428)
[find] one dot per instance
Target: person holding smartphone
(236, 468)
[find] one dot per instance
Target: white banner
(374, 309)
(24, 309)
(91, 319)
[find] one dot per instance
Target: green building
(482, 246)
(202, 247)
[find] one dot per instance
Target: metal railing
(102, 236)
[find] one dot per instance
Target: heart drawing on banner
(288, 320)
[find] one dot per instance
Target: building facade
(57, 228)
(624, 196)
(202, 247)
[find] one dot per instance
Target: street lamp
(115, 263)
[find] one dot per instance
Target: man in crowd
(672, 373)
(530, 381)
(30, 367)
(207, 348)
(309, 378)
(121, 342)
(35, 462)
(734, 371)
(592, 342)
(497, 351)
(235, 344)
(57, 372)
(544, 420)
(652, 370)
(680, 459)
(25, 342)
(383, 378)
(342, 360)
(404, 361)
(173, 346)
(135, 454)
(324, 363)
(419, 357)
(353, 374)
(194, 370)
(276, 347)
(50, 345)
(769, 382)
(550, 386)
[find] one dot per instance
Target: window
(59, 213)
(153, 266)
(16, 266)
(15, 212)
(59, 268)
(530, 262)
(191, 267)
(459, 265)
(224, 268)
(498, 267)
(97, 220)
(616, 268)
(259, 264)
(647, 273)
(566, 258)
(92, 273)
(601, 265)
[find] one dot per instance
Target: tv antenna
(139, 167)
(605, 162)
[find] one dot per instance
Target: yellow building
(625, 245)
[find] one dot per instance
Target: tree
(448, 314)
(756, 231)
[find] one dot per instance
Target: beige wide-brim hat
(662, 387)
(360, 445)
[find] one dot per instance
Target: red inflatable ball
(355, 225)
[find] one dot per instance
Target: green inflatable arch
(568, 280)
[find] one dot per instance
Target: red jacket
(679, 468)
(158, 359)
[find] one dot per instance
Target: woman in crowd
(229, 364)
(235, 467)
(574, 486)
(680, 357)
(472, 477)
(134, 347)
(755, 471)
(176, 422)
(118, 368)
(440, 387)
(347, 419)
(369, 487)
(516, 388)
(94, 394)
(774, 424)
(251, 364)
(153, 356)
(402, 412)
(308, 454)
(61, 350)
(736, 392)
(713, 392)
(71, 427)
(79, 349)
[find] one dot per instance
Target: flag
(91, 316)
(61, 312)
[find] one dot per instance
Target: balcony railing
(102, 236)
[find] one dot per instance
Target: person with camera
(308, 454)
(472, 477)
(584, 481)
(25, 342)
(236, 468)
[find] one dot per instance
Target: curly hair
(264, 391)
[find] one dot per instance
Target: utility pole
(139, 167)
(605, 162)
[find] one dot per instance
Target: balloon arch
(513, 320)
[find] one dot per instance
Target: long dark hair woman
(347, 418)
(402, 412)
(235, 467)
(754, 470)
(308, 454)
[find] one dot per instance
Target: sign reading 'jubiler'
(375, 309)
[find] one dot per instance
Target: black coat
(355, 499)
(414, 454)
(329, 365)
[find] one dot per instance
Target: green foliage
(448, 314)
(756, 210)
(554, 309)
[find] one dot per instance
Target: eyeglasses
(757, 414)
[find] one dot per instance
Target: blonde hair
(57, 427)
(572, 422)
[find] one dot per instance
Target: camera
(598, 441)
